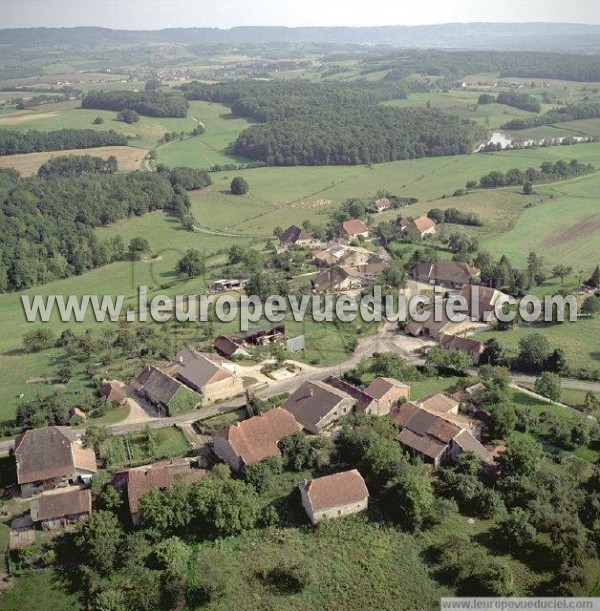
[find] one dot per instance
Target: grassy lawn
(425, 387)
(112, 417)
(464, 103)
(569, 396)
(379, 567)
(122, 449)
(573, 241)
(578, 339)
(39, 590)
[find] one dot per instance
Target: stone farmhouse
(112, 392)
(471, 347)
(337, 279)
(352, 229)
(481, 301)
(163, 390)
(52, 457)
(334, 496)
(298, 237)
(388, 392)
(380, 205)
(255, 439)
(204, 374)
(434, 437)
(451, 274)
(320, 404)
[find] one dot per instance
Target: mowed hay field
(564, 227)
(128, 158)
(145, 135)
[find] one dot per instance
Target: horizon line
(304, 27)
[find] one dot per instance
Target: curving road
(388, 339)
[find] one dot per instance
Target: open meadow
(211, 148)
(145, 134)
(128, 158)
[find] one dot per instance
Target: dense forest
(588, 110)
(454, 65)
(149, 103)
(353, 136)
(47, 224)
(275, 100)
(13, 143)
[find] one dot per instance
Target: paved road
(387, 340)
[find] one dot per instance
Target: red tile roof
(437, 402)
(423, 223)
(158, 476)
(353, 227)
(112, 392)
(256, 438)
(335, 490)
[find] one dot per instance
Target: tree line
(75, 165)
(149, 103)
(547, 172)
(573, 112)
(516, 99)
(33, 141)
(454, 216)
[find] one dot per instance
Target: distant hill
(502, 36)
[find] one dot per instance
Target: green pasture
(49, 117)
(579, 339)
(211, 148)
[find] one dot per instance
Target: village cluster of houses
(54, 468)
(347, 264)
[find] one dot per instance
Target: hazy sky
(154, 14)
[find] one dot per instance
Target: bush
(128, 116)
(239, 186)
